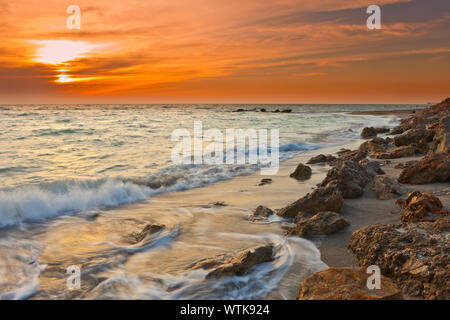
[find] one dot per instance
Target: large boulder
(441, 142)
(415, 255)
(349, 177)
(369, 132)
(413, 136)
(418, 207)
(434, 167)
(321, 199)
(323, 223)
(345, 284)
(386, 188)
(237, 264)
(302, 172)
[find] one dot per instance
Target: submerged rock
(418, 207)
(321, 199)
(302, 172)
(149, 229)
(261, 212)
(415, 255)
(434, 167)
(322, 223)
(386, 188)
(237, 264)
(345, 284)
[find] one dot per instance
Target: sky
(224, 51)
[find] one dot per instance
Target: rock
(400, 152)
(237, 264)
(403, 165)
(302, 172)
(321, 199)
(434, 167)
(323, 223)
(413, 136)
(355, 155)
(239, 110)
(369, 132)
(321, 158)
(441, 142)
(265, 181)
(375, 145)
(262, 110)
(419, 207)
(345, 284)
(382, 130)
(349, 177)
(215, 204)
(261, 212)
(372, 167)
(415, 255)
(286, 111)
(386, 188)
(149, 229)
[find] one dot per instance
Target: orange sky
(224, 51)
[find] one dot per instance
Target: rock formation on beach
(345, 284)
(415, 253)
(302, 172)
(236, 264)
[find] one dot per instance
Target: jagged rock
(349, 177)
(369, 132)
(237, 264)
(355, 155)
(413, 136)
(302, 172)
(400, 152)
(441, 142)
(386, 188)
(149, 229)
(374, 145)
(323, 223)
(321, 158)
(261, 212)
(321, 199)
(415, 255)
(434, 167)
(215, 204)
(345, 284)
(419, 207)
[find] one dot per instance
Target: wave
(65, 197)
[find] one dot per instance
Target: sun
(56, 52)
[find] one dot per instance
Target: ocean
(76, 178)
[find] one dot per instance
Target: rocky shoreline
(413, 255)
